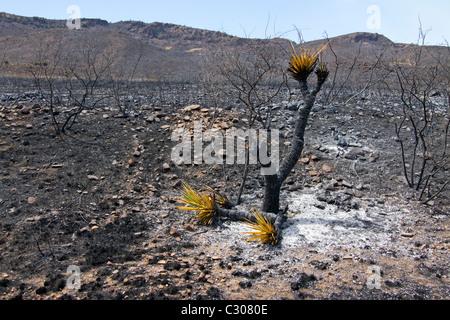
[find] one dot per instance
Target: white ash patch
(371, 226)
(332, 227)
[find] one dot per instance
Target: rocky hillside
(167, 51)
(11, 24)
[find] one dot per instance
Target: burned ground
(103, 197)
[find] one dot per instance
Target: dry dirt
(102, 198)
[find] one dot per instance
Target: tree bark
(244, 215)
(276, 219)
(273, 183)
(271, 202)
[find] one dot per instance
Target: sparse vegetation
(264, 232)
(301, 65)
(210, 205)
(423, 127)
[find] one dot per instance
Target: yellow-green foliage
(203, 203)
(264, 229)
(322, 71)
(220, 199)
(304, 62)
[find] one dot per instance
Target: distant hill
(366, 38)
(11, 24)
(167, 51)
(166, 31)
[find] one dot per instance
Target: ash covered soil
(103, 198)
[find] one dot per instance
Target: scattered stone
(331, 186)
(407, 234)
(373, 158)
(83, 230)
(166, 167)
(304, 160)
(193, 107)
(304, 281)
(326, 168)
(131, 163)
(354, 154)
(137, 154)
(358, 194)
(33, 219)
(354, 205)
(25, 111)
(93, 177)
(173, 231)
(31, 200)
(176, 184)
(322, 197)
(347, 184)
(342, 143)
(320, 206)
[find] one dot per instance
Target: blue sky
(396, 19)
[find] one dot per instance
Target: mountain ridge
(162, 30)
(167, 50)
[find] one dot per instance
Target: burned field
(103, 197)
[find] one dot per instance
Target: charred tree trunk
(273, 183)
(272, 188)
(276, 219)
